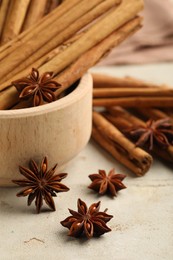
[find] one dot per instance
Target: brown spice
(122, 149)
(41, 184)
(159, 131)
(103, 183)
(38, 88)
(88, 222)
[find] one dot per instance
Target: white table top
(142, 227)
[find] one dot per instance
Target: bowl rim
(80, 91)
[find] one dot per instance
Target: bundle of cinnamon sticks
(17, 16)
(68, 41)
(110, 126)
(123, 150)
(130, 92)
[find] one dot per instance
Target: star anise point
(40, 184)
(155, 132)
(38, 88)
(86, 221)
(103, 183)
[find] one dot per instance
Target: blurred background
(153, 43)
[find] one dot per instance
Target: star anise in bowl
(159, 132)
(87, 222)
(40, 184)
(109, 183)
(38, 88)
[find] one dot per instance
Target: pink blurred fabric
(153, 43)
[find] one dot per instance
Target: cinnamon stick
(129, 120)
(111, 149)
(65, 34)
(134, 158)
(9, 95)
(105, 26)
(153, 113)
(122, 119)
(105, 81)
(134, 102)
(91, 57)
(31, 46)
(82, 64)
(35, 12)
(132, 92)
(15, 18)
(50, 19)
(52, 4)
(40, 62)
(3, 13)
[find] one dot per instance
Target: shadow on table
(82, 241)
(10, 204)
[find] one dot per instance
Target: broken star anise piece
(103, 183)
(87, 222)
(41, 184)
(159, 132)
(40, 89)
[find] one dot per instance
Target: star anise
(40, 89)
(159, 132)
(41, 184)
(103, 183)
(87, 222)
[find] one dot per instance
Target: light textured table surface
(142, 227)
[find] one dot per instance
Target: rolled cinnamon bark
(81, 65)
(52, 4)
(105, 81)
(36, 11)
(153, 113)
(50, 19)
(134, 102)
(140, 159)
(90, 16)
(111, 149)
(121, 119)
(29, 48)
(16, 15)
(119, 112)
(105, 26)
(132, 92)
(129, 120)
(4, 4)
(40, 62)
(91, 57)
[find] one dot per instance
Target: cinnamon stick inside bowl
(4, 6)
(75, 70)
(36, 11)
(14, 20)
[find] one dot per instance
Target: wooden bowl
(58, 130)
